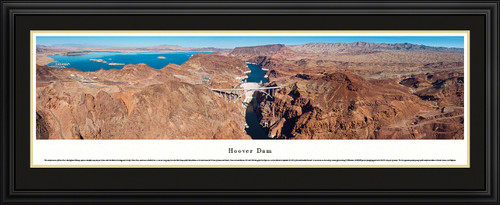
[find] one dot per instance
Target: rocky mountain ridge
(343, 105)
(360, 47)
(361, 91)
(140, 102)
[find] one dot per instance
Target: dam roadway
(249, 95)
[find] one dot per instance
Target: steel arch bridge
(248, 89)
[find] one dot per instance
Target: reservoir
(257, 74)
(95, 60)
(255, 130)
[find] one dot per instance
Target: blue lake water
(83, 62)
(257, 74)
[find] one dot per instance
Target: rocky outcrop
(442, 123)
(140, 73)
(442, 88)
(140, 102)
(343, 105)
(42, 130)
(172, 110)
(215, 70)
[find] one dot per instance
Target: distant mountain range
(173, 48)
(352, 48)
(358, 47)
(342, 47)
(169, 48)
(259, 50)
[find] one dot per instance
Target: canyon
(361, 91)
(328, 91)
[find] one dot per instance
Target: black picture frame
(478, 184)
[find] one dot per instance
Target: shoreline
(43, 58)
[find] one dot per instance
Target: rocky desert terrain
(140, 102)
(361, 91)
(330, 91)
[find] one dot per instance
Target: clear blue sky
(238, 41)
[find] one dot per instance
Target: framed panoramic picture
(397, 97)
(250, 102)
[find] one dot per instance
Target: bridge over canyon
(247, 90)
